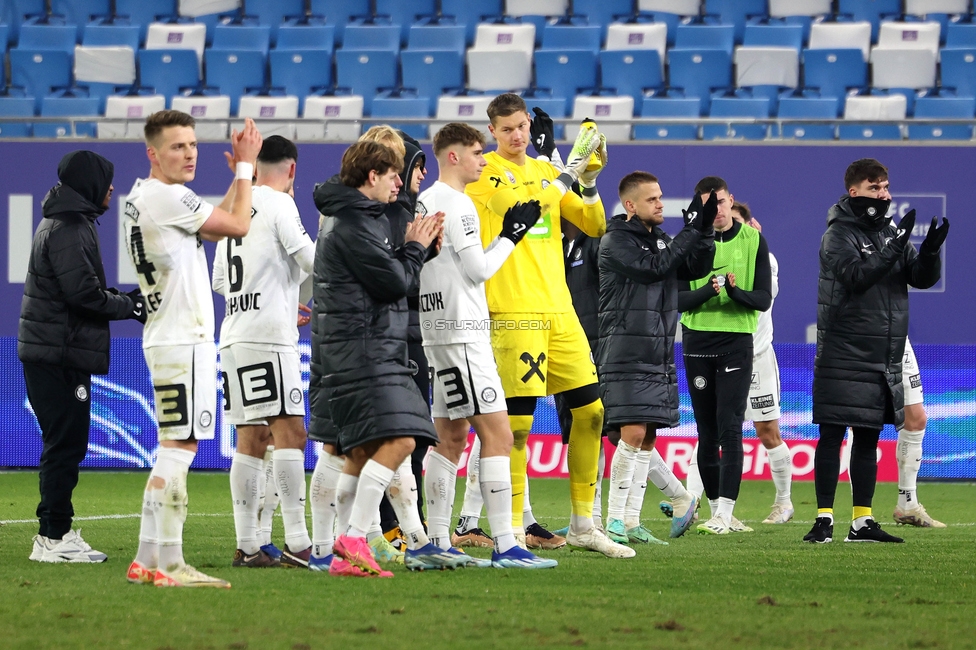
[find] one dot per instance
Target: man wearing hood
(63, 339)
(866, 266)
(640, 267)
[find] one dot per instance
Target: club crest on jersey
(579, 253)
(545, 183)
(510, 176)
(131, 211)
(489, 395)
(192, 201)
(661, 245)
(81, 393)
(421, 210)
(700, 382)
(295, 396)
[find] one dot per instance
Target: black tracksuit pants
(719, 388)
(863, 469)
(61, 401)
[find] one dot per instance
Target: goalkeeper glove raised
(541, 132)
(595, 165)
(519, 219)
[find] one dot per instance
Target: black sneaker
(871, 532)
(258, 560)
(822, 531)
(536, 536)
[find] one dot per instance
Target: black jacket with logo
(583, 280)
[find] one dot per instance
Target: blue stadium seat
(365, 72)
(168, 70)
(79, 12)
(736, 12)
(102, 34)
(834, 71)
(405, 13)
(271, 13)
(13, 12)
(299, 71)
(65, 105)
(234, 71)
(437, 37)
(4, 35)
(371, 37)
(143, 12)
(960, 35)
(869, 132)
(35, 36)
(242, 37)
(306, 37)
(16, 107)
(959, 70)
(602, 12)
(565, 72)
(403, 103)
(774, 34)
(933, 107)
(431, 72)
(630, 72)
(871, 11)
(720, 37)
(38, 71)
(808, 107)
(572, 37)
(699, 71)
(656, 106)
(745, 107)
(470, 13)
(339, 13)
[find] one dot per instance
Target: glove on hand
(905, 227)
(138, 306)
(935, 237)
(541, 132)
(588, 175)
(519, 219)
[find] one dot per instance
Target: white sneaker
(736, 526)
(71, 548)
(594, 539)
(782, 513)
(188, 576)
(40, 543)
(714, 526)
(916, 517)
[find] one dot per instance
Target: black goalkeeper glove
(904, 229)
(693, 215)
(519, 218)
(709, 212)
(541, 132)
(935, 238)
(138, 306)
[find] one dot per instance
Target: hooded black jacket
(583, 280)
(399, 214)
(639, 274)
(66, 309)
(862, 319)
(360, 316)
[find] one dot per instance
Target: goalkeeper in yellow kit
(539, 344)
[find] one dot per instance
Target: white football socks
(345, 498)
(268, 498)
(638, 486)
(172, 466)
(694, 481)
(663, 478)
(601, 469)
(439, 488)
(725, 508)
(148, 553)
(621, 478)
(402, 494)
(909, 455)
(781, 467)
(496, 490)
(245, 474)
(373, 481)
(325, 480)
(289, 469)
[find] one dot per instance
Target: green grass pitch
(761, 590)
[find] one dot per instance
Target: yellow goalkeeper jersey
(533, 278)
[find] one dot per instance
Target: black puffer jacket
(399, 214)
(65, 313)
(583, 280)
(639, 274)
(360, 320)
(862, 319)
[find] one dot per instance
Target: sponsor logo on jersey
(542, 228)
(131, 212)
(301, 226)
(81, 393)
(755, 381)
(915, 381)
(489, 395)
(700, 382)
(496, 179)
(206, 419)
(192, 201)
(470, 223)
(762, 402)
(534, 364)
(420, 210)
(295, 396)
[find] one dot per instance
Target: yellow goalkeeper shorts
(541, 354)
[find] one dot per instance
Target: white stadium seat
(194, 8)
(536, 7)
(505, 37)
(680, 7)
(852, 36)
(783, 8)
(767, 66)
(270, 107)
(910, 36)
(922, 7)
(499, 69)
(900, 68)
(115, 65)
(339, 107)
(470, 109)
(603, 109)
(873, 107)
(178, 36)
(205, 109)
(135, 108)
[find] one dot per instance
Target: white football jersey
(453, 308)
(161, 234)
(260, 277)
(763, 338)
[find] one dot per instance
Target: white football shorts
(184, 381)
(763, 403)
(260, 383)
(911, 378)
(466, 380)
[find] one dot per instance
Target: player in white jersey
(909, 510)
(455, 325)
(165, 223)
(259, 276)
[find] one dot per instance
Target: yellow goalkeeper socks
(521, 425)
(584, 455)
